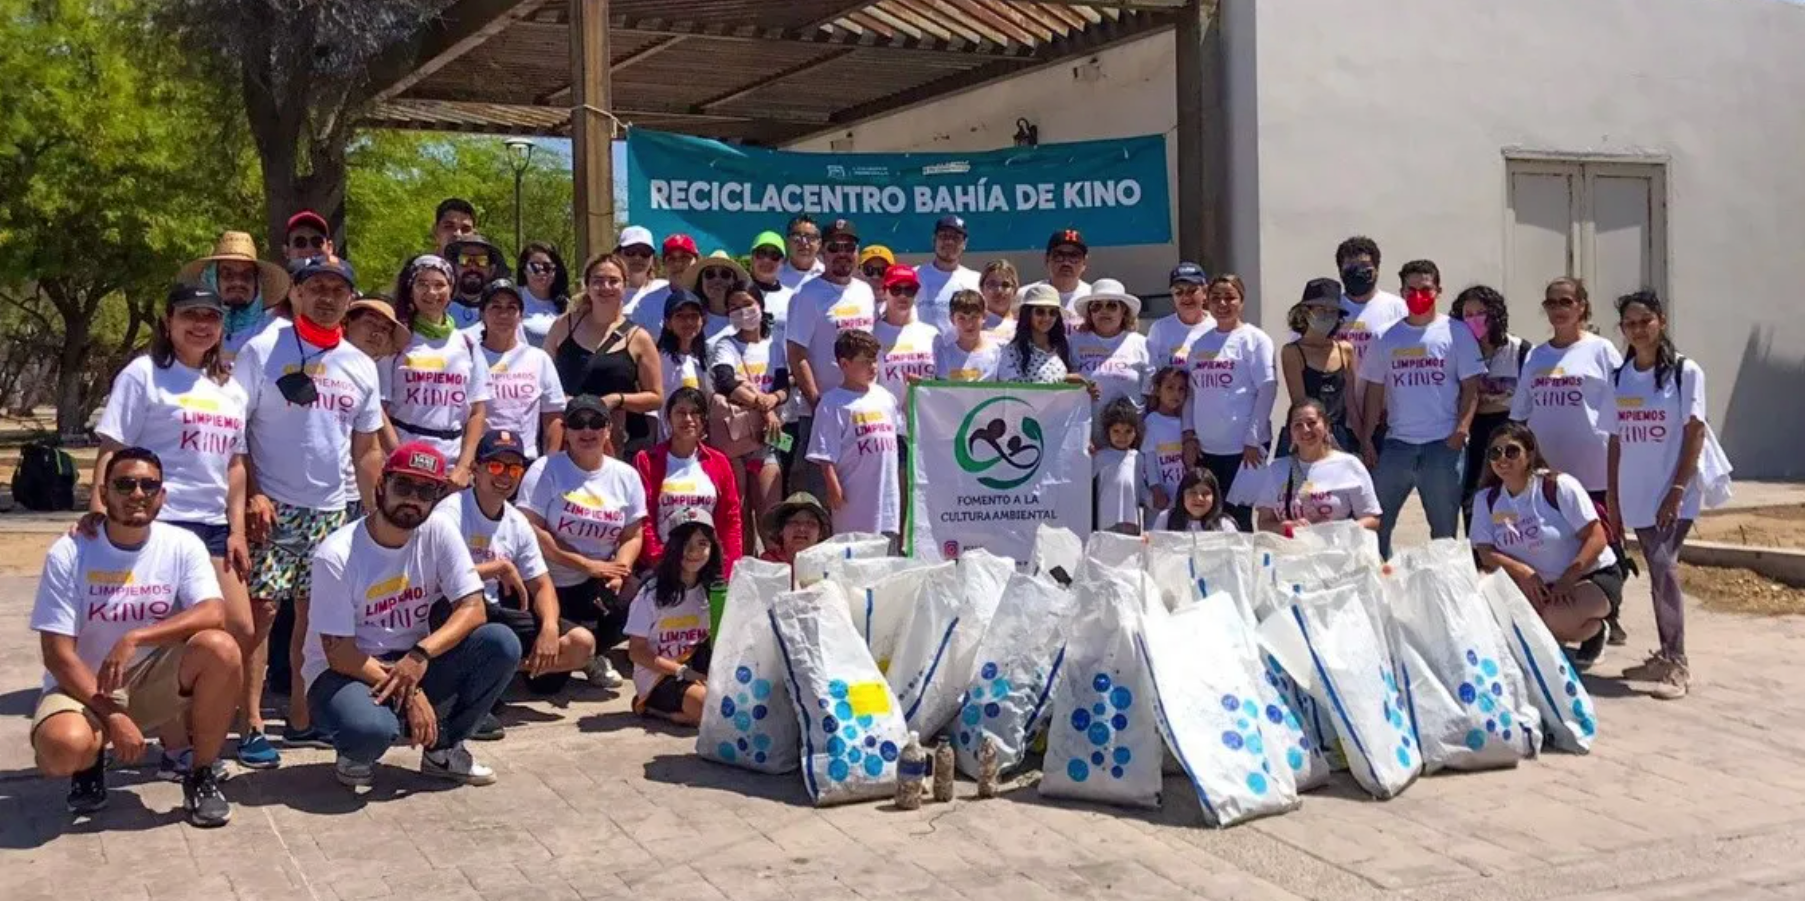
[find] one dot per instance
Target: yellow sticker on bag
(869, 698)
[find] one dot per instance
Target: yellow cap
(877, 252)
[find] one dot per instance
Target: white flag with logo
(989, 462)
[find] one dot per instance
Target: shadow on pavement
(693, 772)
(627, 720)
(1607, 686)
(32, 813)
(19, 703)
(314, 788)
(1178, 803)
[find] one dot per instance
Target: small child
(1163, 446)
(1116, 470)
(855, 443)
(1199, 506)
(968, 354)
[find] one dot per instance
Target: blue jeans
(1434, 470)
(463, 684)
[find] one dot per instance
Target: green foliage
(397, 179)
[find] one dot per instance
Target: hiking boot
(256, 752)
(488, 729)
(1619, 635)
(456, 764)
(601, 673)
(206, 805)
(1654, 669)
(1674, 685)
(88, 789)
(352, 774)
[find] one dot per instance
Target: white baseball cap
(635, 235)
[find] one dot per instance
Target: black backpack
(45, 479)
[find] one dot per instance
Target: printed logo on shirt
(964, 375)
(205, 430)
(395, 604)
(314, 369)
(1000, 443)
(1413, 367)
(1637, 424)
(424, 362)
(1554, 388)
(899, 364)
(848, 316)
(874, 434)
(504, 385)
(1210, 369)
(116, 596)
(480, 549)
(434, 387)
(1510, 531)
(678, 635)
(586, 515)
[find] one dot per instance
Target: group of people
(472, 477)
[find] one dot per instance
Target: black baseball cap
(1188, 273)
(683, 297)
(1322, 289)
(1067, 236)
(182, 297)
(951, 224)
(839, 228)
(500, 443)
(583, 402)
(501, 286)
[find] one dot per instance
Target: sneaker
(1590, 649)
(310, 737)
(175, 767)
(456, 764)
(352, 774)
(88, 789)
(602, 673)
(488, 729)
(206, 805)
(1619, 635)
(1675, 684)
(1654, 669)
(256, 752)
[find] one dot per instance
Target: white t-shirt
(686, 485)
(673, 632)
(998, 329)
(904, 351)
(1498, 385)
(1365, 322)
(777, 306)
(1334, 488)
(934, 304)
(857, 433)
(1228, 372)
(1121, 366)
(1163, 452)
(231, 344)
(536, 318)
(1169, 339)
(194, 424)
(1524, 527)
(300, 452)
(645, 305)
(523, 387)
(1421, 367)
(750, 360)
(1118, 486)
(433, 384)
(1650, 427)
(819, 312)
(792, 278)
(1568, 402)
(1226, 524)
(953, 363)
(585, 510)
(381, 597)
(508, 538)
(95, 591)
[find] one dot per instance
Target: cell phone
(783, 442)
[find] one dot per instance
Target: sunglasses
(719, 275)
(1065, 256)
(498, 469)
(1504, 452)
(1560, 303)
(128, 485)
(473, 259)
(805, 237)
(767, 254)
(875, 271)
(902, 290)
(638, 253)
(1043, 311)
(542, 268)
(843, 247)
(404, 488)
(590, 423)
(307, 242)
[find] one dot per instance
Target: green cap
(769, 239)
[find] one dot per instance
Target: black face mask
(297, 388)
(1359, 278)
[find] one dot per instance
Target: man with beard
(252, 288)
(804, 260)
(944, 275)
(1067, 258)
(132, 630)
(835, 301)
(373, 661)
(477, 262)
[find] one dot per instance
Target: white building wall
(1392, 119)
(1123, 91)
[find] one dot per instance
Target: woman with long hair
(599, 352)
(667, 629)
(1198, 508)
(525, 395)
(436, 387)
(1039, 352)
(682, 473)
(1486, 315)
(544, 289)
(178, 402)
(751, 383)
(998, 284)
(1542, 530)
(1318, 482)
(1659, 431)
(1233, 386)
(682, 349)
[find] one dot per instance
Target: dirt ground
(1782, 526)
(22, 554)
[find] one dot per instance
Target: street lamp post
(520, 155)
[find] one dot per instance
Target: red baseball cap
(310, 219)
(900, 275)
(418, 459)
(683, 242)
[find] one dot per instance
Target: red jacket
(726, 512)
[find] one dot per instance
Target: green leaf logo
(989, 447)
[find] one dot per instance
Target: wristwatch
(419, 650)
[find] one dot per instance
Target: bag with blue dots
(1017, 661)
(939, 647)
(748, 721)
(1103, 744)
(1551, 682)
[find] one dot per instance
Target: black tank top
(1328, 388)
(611, 369)
(570, 359)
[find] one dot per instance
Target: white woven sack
(811, 564)
(1009, 695)
(1103, 744)
(748, 721)
(1056, 548)
(1565, 706)
(938, 646)
(880, 597)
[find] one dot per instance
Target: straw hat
(398, 333)
(1107, 289)
(717, 260)
(238, 247)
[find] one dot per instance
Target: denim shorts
(214, 537)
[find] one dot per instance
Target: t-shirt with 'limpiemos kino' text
(1233, 386)
(672, 632)
(903, 351)
(1650, 426)
(856, 432)
(95, 591)
(819, 311)
(587, 510)
(300, 452)
(1566, 397)
(508, 537)
(432, 384)
(194, 424)
(1526, 528)
(523, 387)
(1333, 488)
(381, 597)
(1421, 368)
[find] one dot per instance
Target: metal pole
(519, 241)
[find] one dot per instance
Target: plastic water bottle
(911, 773)
(987, 767)
(944, 764)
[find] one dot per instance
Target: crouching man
(374, 666)
(132, 629)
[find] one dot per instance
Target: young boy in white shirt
(854, 442)
(967, 354)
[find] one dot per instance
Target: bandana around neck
(318, 335)
(432, 331)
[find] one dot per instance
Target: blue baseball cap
(680, 298)
(1188, 274)
(499, 443)
(326, 265)
(951, 224)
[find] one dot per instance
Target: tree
(304, 72)
(397, 178)
(110, 176)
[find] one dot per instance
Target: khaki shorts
(152, 695)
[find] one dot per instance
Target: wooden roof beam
(775, 78)
(459, 30)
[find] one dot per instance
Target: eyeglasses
(127, 485)
(1504, 452)
(474, 259)
(902, 290)
(590, 423)
(537, 268)
(843, 247)
(805, 237)
(1065, 256)
(767, 254)
(875, 271)
(405, 488)
(1560, 303)
(1043, 311)
(498, 469)
(1107, 306)
(307, 242)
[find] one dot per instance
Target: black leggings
(594, 604)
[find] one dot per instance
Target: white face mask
(746, 318)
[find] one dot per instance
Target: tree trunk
(71, 424)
